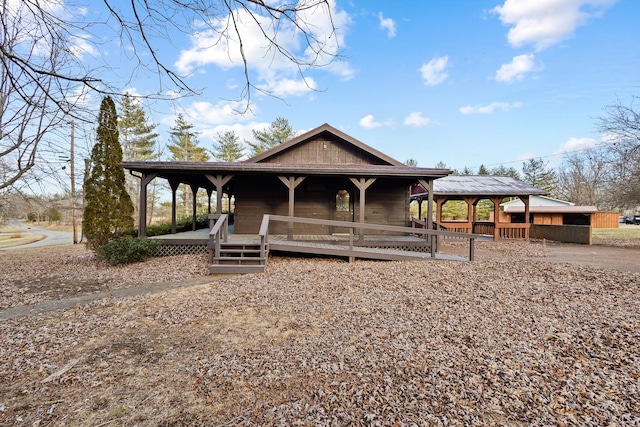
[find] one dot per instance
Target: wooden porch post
(525, 200)
(194, 197)
(142, 207)
(496, 217)
(174, 188)
(219, 182)
(439, 203)
(362, 184)
(209, 193)
(428, 185)
(471, 218)
(291, 183)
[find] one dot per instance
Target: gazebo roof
(479, 185)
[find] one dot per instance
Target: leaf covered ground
(511, 339)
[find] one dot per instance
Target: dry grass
(324, 342)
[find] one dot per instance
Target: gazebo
(471, 189)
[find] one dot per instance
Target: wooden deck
(243, 253)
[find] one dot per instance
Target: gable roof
(539, 201)
(325, 128)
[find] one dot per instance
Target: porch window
(342, 201)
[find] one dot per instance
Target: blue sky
(465, 82)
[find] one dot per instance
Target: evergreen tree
(228, 147)
(502, 170)
(184, 148)
(411, 162)
(139, 143)
(184, 143)
(482, 170)
(108, 210)
(137, 136)
(279, 131)
(538, 174)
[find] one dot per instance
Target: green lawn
(624, 232)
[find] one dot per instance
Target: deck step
(239, 260)
(235, 269)
(239, 251)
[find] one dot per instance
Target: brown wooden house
(322, 174)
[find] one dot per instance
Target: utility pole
(73, 187)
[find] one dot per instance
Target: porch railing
(431, 236)
(218, 232)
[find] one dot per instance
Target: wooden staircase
(238, 258)
(233, 257)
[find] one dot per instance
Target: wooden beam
(291, 183)
(142, 206)
(525, 200)
(496, 217)
(174, 188)
(194, 197)
(428, 185)
(219, 181)
(362, 184)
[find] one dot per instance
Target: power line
(598, 145)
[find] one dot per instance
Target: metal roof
(552, 209)
(481, 185)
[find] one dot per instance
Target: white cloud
(433, 72)
(416, 119)
(387, 24)
(543, 23)
(368, 122)
(218, 44)
(288, 87)
(220, 113)
(490, 108)
(516, 69)
(577, 144)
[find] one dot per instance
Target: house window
(342, 201)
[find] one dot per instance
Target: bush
(127, 250)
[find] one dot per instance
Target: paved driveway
(50, 237)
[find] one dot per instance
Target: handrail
(430, 235)
(220, 230)
(264, 236)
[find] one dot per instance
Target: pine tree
(411, 162)
(228, 147)
(537, 173)
(279, 131)
(137, 136)
(482, 170)
(139, 143)
(184, 148)
(502, 170)
(108, 210)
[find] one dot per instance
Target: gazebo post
(496, 217)
(525, 200)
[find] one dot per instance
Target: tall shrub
(108, 210)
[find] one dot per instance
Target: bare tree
(620, 127)
(50, 55)
(584, 179)
(32, 104)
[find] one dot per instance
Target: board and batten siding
(322, 150)
(386, 203)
